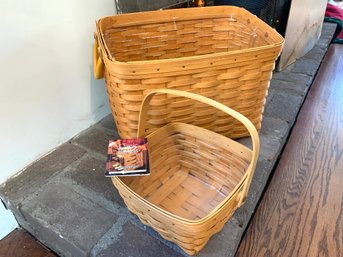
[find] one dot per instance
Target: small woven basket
(224, 53)
(198, 177)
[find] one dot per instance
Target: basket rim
(174, 216)
(186, 64)
(195, 57)
(191, 16)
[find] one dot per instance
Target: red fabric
(333, 11)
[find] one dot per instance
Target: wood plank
(303, 30)
(301, 213)
(19, 243)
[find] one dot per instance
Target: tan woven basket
(198, 177)
(224, 53)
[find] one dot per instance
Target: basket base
(183, 195)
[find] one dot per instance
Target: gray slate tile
(298, 89)
(274, 127)
(109, 124)
(133, 242)
(316, 53)
(292, 77)
(39, 173)
(89, 173)
(327, 33)
(94, 139)
(74, 223)
(304, 66)
(283, 106)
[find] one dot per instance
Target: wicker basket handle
(246, 122)
(98, 64)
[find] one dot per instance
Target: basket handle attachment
(98, 64)
(245, 121)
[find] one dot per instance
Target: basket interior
(190, 175)
(183, 38)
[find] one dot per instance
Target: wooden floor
(21, 244)
(301, 213)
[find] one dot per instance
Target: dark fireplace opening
(273, 12)
(276, 14)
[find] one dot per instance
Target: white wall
(47, 90)
(7, 221)
(303, 30)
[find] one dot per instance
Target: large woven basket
(224, 53)
(198, 177)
